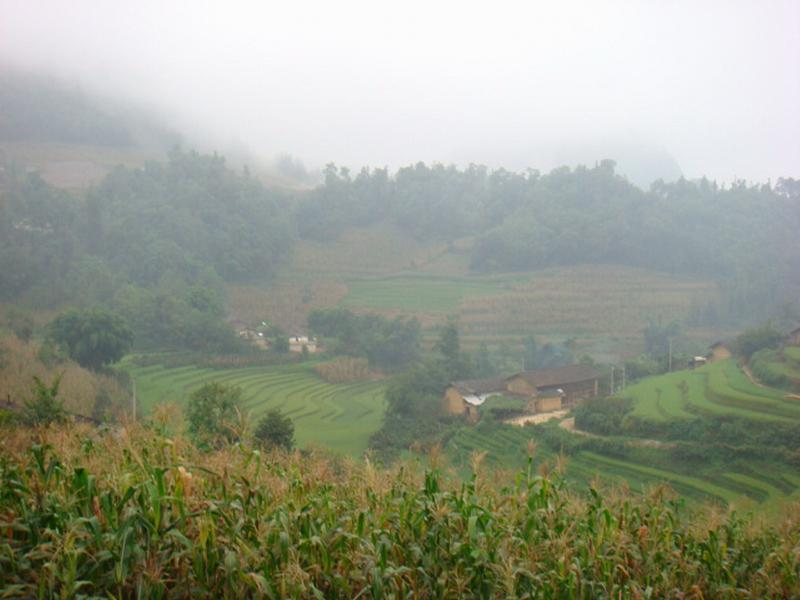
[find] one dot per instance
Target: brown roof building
(545, 389)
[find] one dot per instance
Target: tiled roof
(480, 386)
(543, 378)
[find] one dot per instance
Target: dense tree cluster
(390, 344)
(92, 338)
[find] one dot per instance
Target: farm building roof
(543, 378)
(479, 386)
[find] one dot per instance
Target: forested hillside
(164, 242)
(156, 244)
(741, 235)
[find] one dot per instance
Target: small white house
(697, 361)
(298, 342)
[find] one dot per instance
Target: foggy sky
(716, 84)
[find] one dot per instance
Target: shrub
(275, 430)
(603, 416)
(44, 407)
(757, 338)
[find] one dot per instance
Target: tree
(456, 364)
(657, 336)
(213, 413)
(758, 338)
(93, 338)
(483, 362)
(44, 407)
(275, 430)
(530, 358)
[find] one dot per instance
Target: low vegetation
(104, 395)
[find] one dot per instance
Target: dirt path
(537, 419)
(752, 377)
(569, 425)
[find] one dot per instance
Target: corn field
(132, 513)
(344, 370)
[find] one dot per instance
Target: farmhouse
(464, 397)
(571, 383)
(718, 351)
(794, 337)
(697, 361)
(254, 337)
(544, 390)
(298, 342)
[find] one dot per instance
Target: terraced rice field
(715, 389)
(339, 417)
(758, 485)
(385, 271)
(411, 293)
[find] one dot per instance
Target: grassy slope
(339, 417)
(74, 167)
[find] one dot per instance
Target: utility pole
(612, 382)
(669, 368)
(133, 400)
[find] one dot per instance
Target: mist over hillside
(40, 108)
(713, 85)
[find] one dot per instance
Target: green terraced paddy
(717, 389)
(792, 353)
(755, 484)
(421, 292)
(339, 417)
(788, 369)
(660, 398)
